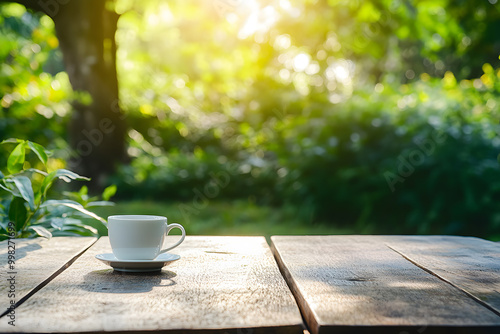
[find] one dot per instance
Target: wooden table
(320, 284)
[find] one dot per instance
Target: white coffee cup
(140, 237)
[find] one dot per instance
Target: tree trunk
(86, 33)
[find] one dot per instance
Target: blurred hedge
(348, 113)
(417, 158)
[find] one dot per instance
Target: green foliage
(24, 201)
(314, 110)
(336, 162)
(109, 192)
(86, 201)
(34, 89)
(315, 105)
(330, 161)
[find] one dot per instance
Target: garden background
(261, 117)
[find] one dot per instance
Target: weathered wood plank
(356, 284)
(37, 261)
(220, 283)
(471, 264)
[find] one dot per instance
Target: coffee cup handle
(169, 227)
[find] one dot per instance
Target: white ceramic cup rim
(137, 218)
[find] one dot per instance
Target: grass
(224, 218)
(238, 217)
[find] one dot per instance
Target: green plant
(26, 211)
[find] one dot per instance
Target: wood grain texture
(230, 284)
(356, 284)
(471, 264)
(37, 261)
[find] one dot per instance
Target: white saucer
(137, 266)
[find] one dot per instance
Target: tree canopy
(380, 112)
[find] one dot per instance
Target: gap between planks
(307, 314)
(49, 278)
(477, 300)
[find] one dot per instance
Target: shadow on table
(21, 251)
(111, 281)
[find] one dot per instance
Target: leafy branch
(25, 202)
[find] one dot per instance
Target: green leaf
(1, 175)
(73, 231)
(16, 158)
(92, 229)
(73, 205)
(83, 191)
(81, 229)
(39, 151)
(100, 203)
(60, 223)
(23, 184)
(3, 224)
(34, 170)
(12, 141)
(109, 192)
(55, 202)
(17, 212)
(57, 223)
(63, 174)
(42, 231)
(13, 191)
(83, 195)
